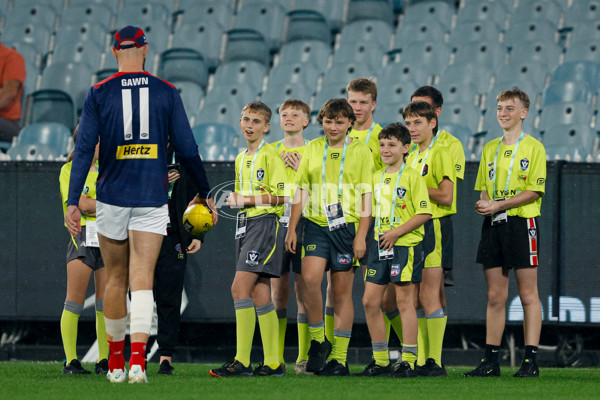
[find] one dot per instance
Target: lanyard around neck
(370, 131)
(393, 212)
(323, 186)
(426, 154)
(510, 168)
(251, 169)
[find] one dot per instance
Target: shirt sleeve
(15, 68)
(480, 182)
(420, 198)
(277, 175)
(457, 152)
(87, 138)
(302, 178)
(444, 166)
(367, 169)
(537, 176)
(65, 175)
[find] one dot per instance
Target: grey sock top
(75, 308)
(267, 308)
(243, 303)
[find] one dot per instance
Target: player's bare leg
(372, 304)
(497, 294)
(530, 299)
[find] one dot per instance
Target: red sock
(116, 359)
(138, 355)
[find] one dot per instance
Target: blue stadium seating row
(470, 53)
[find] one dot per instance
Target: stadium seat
(35, 35)
(382, 10)
(388, 113)
(462, 114)
(394, 91)
(492, 129)
(32, 13)
(307, 25)
(530, 74)
(204, 36)
(474, 31)
(345, 72)
(588, 32)
(313, 131)
(194, 12)
(491, 11)
(31, 152)
(582, 12)
(57, 5)
(297, 72)
(528, 87)
(262, 16)
(73, 78)
(157, 34)
(212, 152)
(242, 72)
(52, 134)
(185, 4)
(112, 5)
(483, 55)
(276, 94)
(32, 64)
(191, 95)
(405, 72)
(435, 55)
(332, 10)
(214, 133)
(579, 71)
(103, 74)
(84, 32)
(566, 113)
(232, 93)
(245, 44)
(77, 51)
(418, 31)
(454, 92)
(537, 9)
(50, 106)
(531, 30)
(565, 91)
(571, 142)
(468, 73)
(88, 12)
(329, 91)
(309, 51)
(362, 52)
(222, 113)
(541, 51)
(367, 31)
(431, 11)
(586, 50)
(184, 65)
(143, 14)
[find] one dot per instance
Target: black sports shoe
(375, 370)
(432, 369)
(334, 368)
(529, 369)
(74, 368)
(165, 368)
(402, 369)
(231, 369)
(101, 367)
(484, 370)
(265, 370)
(317, 355)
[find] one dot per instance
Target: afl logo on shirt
(401, 192)
(524, 164)
(260, 174)
(395, 270)
(344, 259)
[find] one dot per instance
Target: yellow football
(197, 219)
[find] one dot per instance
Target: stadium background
(223, 54)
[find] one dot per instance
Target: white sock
(142, 306)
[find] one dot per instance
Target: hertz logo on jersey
(132, 151)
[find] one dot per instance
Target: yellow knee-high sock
(245, 322)
(388, 327)
(282, 320)
(409, 354)
(317, 331)
(269, 333)
(329, 323)
(422, 339)
(68, 328)
(395, 322)
(381, 355)
(101, 332)
(303, 338)
(436, 327)
(341, 340)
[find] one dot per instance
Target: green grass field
(43, 380)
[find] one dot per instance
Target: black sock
(491, 353)
(531, 353)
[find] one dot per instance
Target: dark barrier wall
(34, 240)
